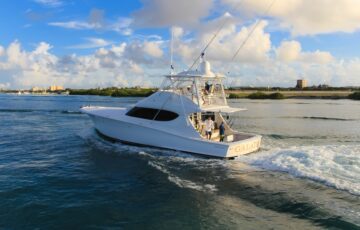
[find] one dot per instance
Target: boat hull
(141, 135)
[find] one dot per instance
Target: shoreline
(290, 94)
(230, 94)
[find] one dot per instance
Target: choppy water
(56, 172)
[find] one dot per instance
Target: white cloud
(105, 67)
(306, 17)
(96, 21)
(276, 73)
(226, 43)
(50, 3)
(122, 26)
(160, 13)
(144, 62)
(177, 32)
(92, 43)
(291, 51)
(77, 25)
(145, 52)
(153, 49)
(2, 51)
(4, 85)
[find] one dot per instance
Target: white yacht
(174, 117)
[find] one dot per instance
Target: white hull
(147, 133)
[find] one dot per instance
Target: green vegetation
(237, 95)
(355, 96)
(114, 92)
(257, 95)
(261, 95)
(277, 96)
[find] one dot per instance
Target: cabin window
(149, 114)
(165, 115)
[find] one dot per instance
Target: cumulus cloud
(153, 49)
(226, 43)
(306, 17)
(2, 51)
(143, 63)
(147, 52)
(291, 51)
(142, 60)
(162, 13)
(105, 67)
(4, 85)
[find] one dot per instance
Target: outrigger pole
(171, 51)
(202, 53)
(251, 32)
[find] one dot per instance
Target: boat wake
(183, 183)
(168, 162)
(335, 166)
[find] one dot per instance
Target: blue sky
(89, 43)
(28, 21)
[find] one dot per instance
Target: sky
(126, 43)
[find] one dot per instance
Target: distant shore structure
(37, 89)
(301, 83)
(56, 88)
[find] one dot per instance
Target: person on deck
(222, 131)
(209, 126)
(207, 88)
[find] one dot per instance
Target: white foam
(336, 166)
(183, 183)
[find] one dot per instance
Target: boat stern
(245, 146)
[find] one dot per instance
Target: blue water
(56, 172)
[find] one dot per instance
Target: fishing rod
(251, 32)
(213, 38)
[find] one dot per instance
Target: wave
(335, 166)
(281, 137)
(182, 183)
(295, 117)
(316, 118)
(328, 118)
(38, 110)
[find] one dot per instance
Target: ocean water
(57, 173)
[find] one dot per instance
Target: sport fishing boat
(174, 117)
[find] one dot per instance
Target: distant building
(300, 84)
(56, 88)
(37, 89)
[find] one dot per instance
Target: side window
(145, 113)
(149, 114)
(165, 115)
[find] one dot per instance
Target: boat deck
(229, 138)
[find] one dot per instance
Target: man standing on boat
(222, 131)
(209, 126)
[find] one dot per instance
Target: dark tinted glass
(149, 113)
(165, 115)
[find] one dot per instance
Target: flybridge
(203, 87)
